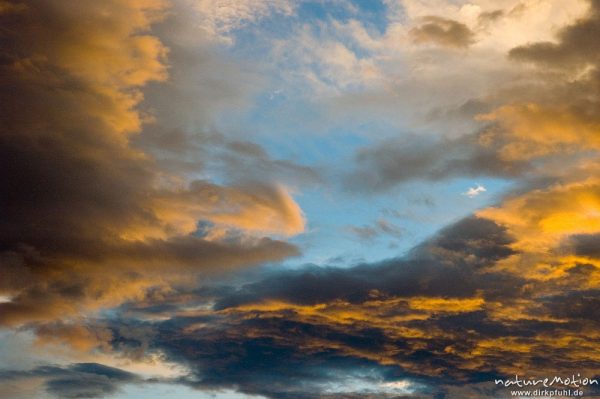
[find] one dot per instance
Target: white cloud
(474, 191)
(360, 73)
(220, 17)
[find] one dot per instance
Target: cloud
(207, 85)
(379, 227)
(236, 160)
(470, 243)
(487, 297)
(88, 380)
(488, 17)
(81, 380)
(442, 32)
(447, 319)
(551, 222)
(473, 192)
(80, 337)
(586, 245)
(96, 219)
(356, 328)
(575, 47)
(220, 18)
(7, 7)
(386, 165)
(526, 130)
(92, 219)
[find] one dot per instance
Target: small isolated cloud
(473, 192)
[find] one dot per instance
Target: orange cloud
(255, 208)
(542, 220)
(533, 130)
(78, 336)
(93, 220)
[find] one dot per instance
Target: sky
(295, 199)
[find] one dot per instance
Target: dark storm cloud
(443, 32)
(440, 322)
(443, 266)
(88, 380)
(252, 355)
(277, 369)
(282, 354)
(279, 355)
(474, 241)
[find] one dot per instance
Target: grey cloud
(382, 166)
(366, 233)
(206, 84)
(574, 53)
(585, 245)
(443, 32)
(388, 164)
(77, 381)
(488, 17)
(579, 306)
(233, 159)
(443, 266)
(381, 227)
(577, 44)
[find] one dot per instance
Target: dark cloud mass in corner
(576, 46)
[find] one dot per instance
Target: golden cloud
(93, 220)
